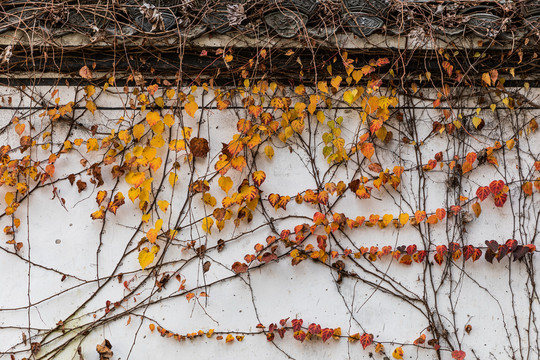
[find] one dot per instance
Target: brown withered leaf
(375, 167)
(85, 73)
(81, 185)
(104, 350)
(219, 214)
(71, 178)
(199, 186)
(199, 147)
(35, 347)
(221, 245)
(206, 266)
(239, 267)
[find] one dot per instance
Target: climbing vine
(367, 175)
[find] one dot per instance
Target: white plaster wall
(66, 240)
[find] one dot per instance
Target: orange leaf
(367, 150)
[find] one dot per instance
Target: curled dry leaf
(85, 73)
(104, 350)
(199, 147)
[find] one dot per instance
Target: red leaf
(483, 192)
(496, 186)
(468, 251)
(300, 336)
(297, 324)
(314, 329)
(477, 254)
(455, 209)
(503, 250)
(453, 247)
(411, 249)
(419, 256)
(500, 199)
(366, 340)
(283, 322)
(512, 244)
(441, 250)
(458, 354)
(327, 334)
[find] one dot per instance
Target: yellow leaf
(170, 93)
(493, 107)
(510, 144)
(300, 90)
(349, 96)
(100, 196)
(336, 82)
(398, 353)
(152, 118)
(209, 199)
(172, 179)
(89, 90)
(403, 218)
(357, 75)
(321, 117)
(9, 198)
(157, 141)
(146, 257)
(133, 193)
(163, 205)
(428, 76)
(91, 106)
(229, 338)
(92, 145)
(477, 121)
(323, 86)
(387, 218)
(269, 151)
(207, 224)
(158, 128)
(135, 178)
(225, 183)
(168, 120)
(145, 218)
(159, 102)
(191, 108)
(159, 224)
(486, 78)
